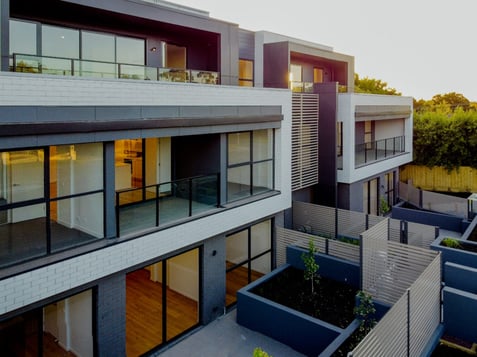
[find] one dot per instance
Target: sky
(419, 47)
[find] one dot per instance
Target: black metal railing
(155, 205)
(97, 69)
(379, 150)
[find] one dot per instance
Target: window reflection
(22, 37)
(59, 42)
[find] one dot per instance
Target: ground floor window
(370, 196)
(64, 328)
(162, 302)
(248, 257)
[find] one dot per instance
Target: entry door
(175, 56)
(26, 182)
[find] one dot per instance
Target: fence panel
(315, 219)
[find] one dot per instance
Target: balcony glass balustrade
(81, 68)
(379, 150)
(165, 203)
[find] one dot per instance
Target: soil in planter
(332, 301)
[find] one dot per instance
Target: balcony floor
(27, 239)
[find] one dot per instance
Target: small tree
(311, 267)
(258, 352)
(364, 313)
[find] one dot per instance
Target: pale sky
(419, 47)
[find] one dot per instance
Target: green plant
(383, 206)
(364, 312)
(451, 242)
(258, 352)
(311, 267)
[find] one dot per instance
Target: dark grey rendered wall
(213, 279)
(327, 177)
(275, 70)
(4, 34)
(111, 317)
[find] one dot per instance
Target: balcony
(81, 68)
(379, 150)
(162, 204)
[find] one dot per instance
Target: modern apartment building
(148, 151)
(139, 183)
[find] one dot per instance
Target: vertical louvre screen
(304, 140)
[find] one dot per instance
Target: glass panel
(76, 169)
(97, 47)
(27, 64)
(23, 171)
(95, 69)
(143, 214)
(22, 37)
(260, 266)
(132, 72)
(56, 66)
(175, 56)
(204, 193)
(144, 308)
(128, 160)
(59, 42)
(204, 77)
(262, 145)
(261, 238)
(23, 238)
(76, 221)
(295, 73)
(237, 248)
(317, 75)
(246, 73)
(77, 311)
(173, 75)
(130, 50)
(182, 293)
(20, 335)
(262, 177)
(238, 148)
(235, 280)
(238, 182)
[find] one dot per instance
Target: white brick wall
(25, 89)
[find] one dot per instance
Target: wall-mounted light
(153, 49)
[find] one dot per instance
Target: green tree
(311, 267)
(453, 100)
(372, 86)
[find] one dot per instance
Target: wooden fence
(463, 179)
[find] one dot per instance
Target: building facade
(140, 184)
(148, 151)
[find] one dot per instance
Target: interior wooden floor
(237, 279)
(144, 313)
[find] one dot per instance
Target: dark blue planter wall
(330, 267)
(443, 221)
(460, 313)
(303, 333)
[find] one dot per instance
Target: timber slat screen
(415, 275)
(304, 140)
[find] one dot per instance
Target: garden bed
(331, 301)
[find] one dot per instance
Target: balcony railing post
(190, 197)
(218, 189)
(72, 67)
(117, 215)
(157, 204)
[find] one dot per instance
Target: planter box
(301, 332)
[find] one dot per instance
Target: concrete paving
(225, 338)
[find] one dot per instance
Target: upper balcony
(97, 69)
(374, 134)
(162, 43)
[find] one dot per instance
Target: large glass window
(248, 257)
(58, 329)
(97, 46)
(250, 163)
(164, 297)
(23, 37)
(129, 50)
(59, 42)
(51, 199)
(245, 73)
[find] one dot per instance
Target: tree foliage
(443, 138)
(372, 86)
(448, 102)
